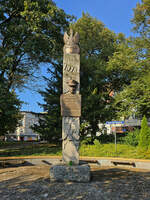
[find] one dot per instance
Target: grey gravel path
(32, 183)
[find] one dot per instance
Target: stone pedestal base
(75, 173)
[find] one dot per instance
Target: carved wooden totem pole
(71, 99)
(71, 111)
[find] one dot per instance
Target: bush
(105, 138)
(132, 138)
(86, 141)
(144, 137)
(97, 143)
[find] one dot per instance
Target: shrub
(105, 138)
(144, 137)
(86, 141)
(132, 138)
(97, 143)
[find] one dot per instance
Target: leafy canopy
(136, 95)
(31, 33)
(97, 45)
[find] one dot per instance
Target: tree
(9, 110)
(136, 95)
(144, 138)
(49, 126)
(123, 66)
(141, 23)
(30, 34)
(97, 44)
(124, 70)
(141, 17)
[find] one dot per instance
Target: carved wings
(76, 38)
(71, 39)
(66, 38)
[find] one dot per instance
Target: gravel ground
(32, 183)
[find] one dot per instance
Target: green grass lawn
(108, 150)
(30, 149)
(98, 150)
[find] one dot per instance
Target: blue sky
(115, 14)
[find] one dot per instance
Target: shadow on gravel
(110, 174)
(106, 183)
(13, 163)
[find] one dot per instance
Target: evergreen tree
(49, 126)
(144, 139)
(97, 45)
(9, 110)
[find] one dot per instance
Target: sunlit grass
(96, 150)
(109, 150)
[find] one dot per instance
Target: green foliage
(130, 70)
(9, 110)
(126, 77)
(97, 44)
(105, 138)
(108, 150)
(97, 143)
(108, 63)
(141, 26)
(30, 149)
(30, 34)
(141, 17)
(132, 138)
(49, 126)
(122, 66)
(85, 130)
(96, 150)
(86, 141)
(144, 138)
(135, 97)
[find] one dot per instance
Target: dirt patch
(32, 183)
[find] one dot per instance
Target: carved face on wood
(72, 86)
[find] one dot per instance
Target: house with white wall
(24, 131)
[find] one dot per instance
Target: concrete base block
(75, 173)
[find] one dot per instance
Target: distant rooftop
(35, 113)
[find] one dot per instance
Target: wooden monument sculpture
(70, 169)
(71, 99)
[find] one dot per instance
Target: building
(120, 127)
(24, 131)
